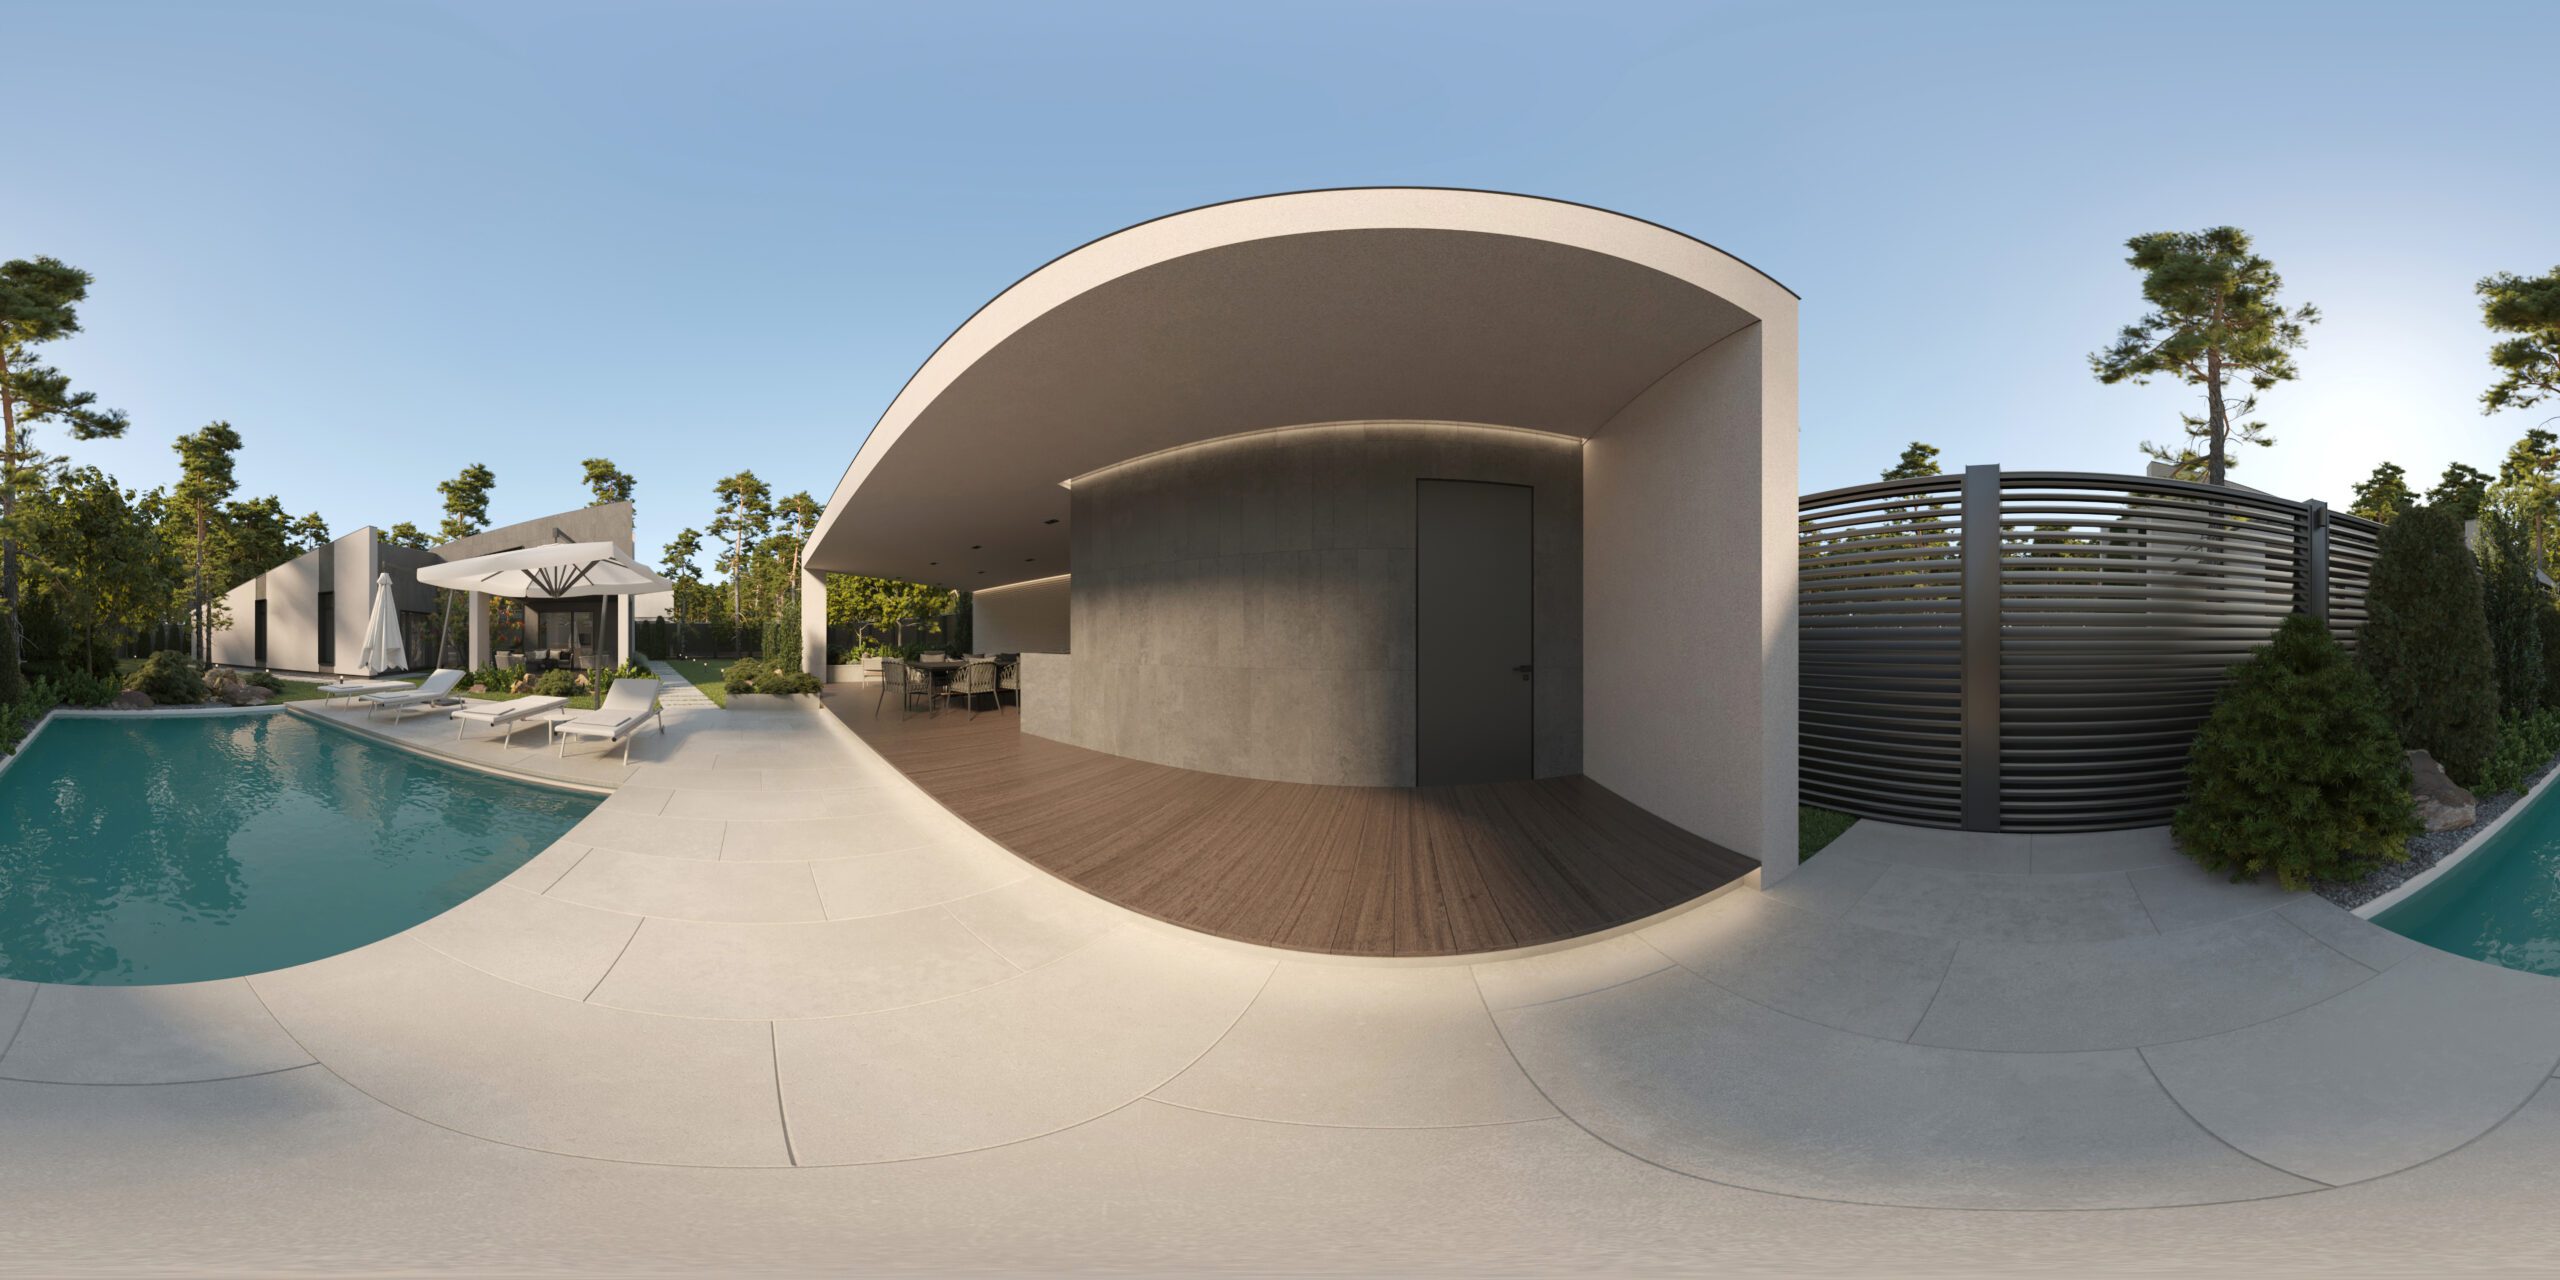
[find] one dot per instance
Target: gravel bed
(2426, 849)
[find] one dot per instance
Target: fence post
(1979, 678)
(2315, 562)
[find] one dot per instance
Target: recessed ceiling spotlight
(1050, 520)
(974, 546)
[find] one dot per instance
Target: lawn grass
(1817, 828)
(299, 691)
(705, 676)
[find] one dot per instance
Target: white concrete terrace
(769, 1007)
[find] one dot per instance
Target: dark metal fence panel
(2033, 651)
(1879, 616)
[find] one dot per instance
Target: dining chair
(1009, 680)
(894, 672)
(970, 681)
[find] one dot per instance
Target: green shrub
(2297, 771)
(783, 682)
(2513, 604)
(263, 679)
(2525, 744)
(78, 689)
(171, 678)
(558, 682)
(2426, 642)
(603, 677)
(741, 675)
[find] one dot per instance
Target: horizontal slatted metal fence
(2033, 651)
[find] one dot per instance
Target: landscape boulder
(130, 700)
(2441, 805)
(239, 694)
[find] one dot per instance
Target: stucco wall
(237, 644)
(1690, 597)
(353, 564)
(1048, 694)
(1028, 617)
(1246, 606)
(293, 614)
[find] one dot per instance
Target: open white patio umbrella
(382, 648)
(553, 571)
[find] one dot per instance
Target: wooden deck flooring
(1378, 871)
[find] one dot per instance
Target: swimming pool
(142, 849)
(2500, 904)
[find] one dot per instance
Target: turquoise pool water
(2502, 904)
(145, 850)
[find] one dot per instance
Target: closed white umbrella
(382, 648)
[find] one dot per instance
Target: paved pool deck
(769, 1007)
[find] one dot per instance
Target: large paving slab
(457, 1047)
(147, 1035)
(2424, 1057)
(1962, 905)
(643, 884)
(1568, 972)
(1054, 1047)
(705, 969)
(1364, 1045)
(1675, 1070)
(903, 880)
(2062, 996)
(542, 942)
(1841, 974)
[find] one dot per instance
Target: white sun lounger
(629, 704)
(358, 688)
(506, 717)
(433, 689)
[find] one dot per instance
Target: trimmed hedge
(2297, 771)
(2426, 642)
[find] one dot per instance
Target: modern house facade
(308, 614)
(1373, 488)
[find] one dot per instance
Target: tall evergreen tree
(2214, 322)
(205, 483)
(39, 303)
(676, 562)
(745, 519)
(2528, 363)
(2460, 491)
(1918, 461)
(2383, 495)
(607, 482)
(2426, 641)
(310, 533)
(466, 512)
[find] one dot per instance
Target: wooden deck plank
(1411, 871)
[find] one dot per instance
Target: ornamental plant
(2297, 772)
(170, 678)
(2426, 642)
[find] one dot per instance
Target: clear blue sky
(386, 241)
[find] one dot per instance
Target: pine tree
(2382, 496)
(2214, 323)
(2296, 772)
(2426, 641)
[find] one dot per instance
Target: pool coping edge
(2411, 887)
(511, 775)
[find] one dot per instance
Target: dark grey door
(1473, 672)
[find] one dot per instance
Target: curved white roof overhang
(1371, 304)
